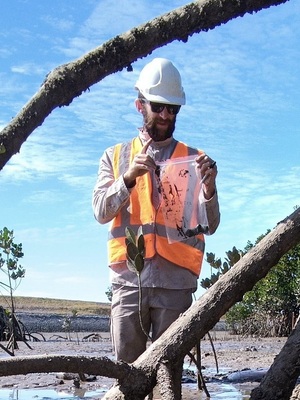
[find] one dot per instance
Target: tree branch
(138, 379)
(202, 316)
(68, 81)
(280, 380)
(75, 364)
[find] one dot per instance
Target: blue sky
(242, 82)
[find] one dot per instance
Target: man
(126, 194)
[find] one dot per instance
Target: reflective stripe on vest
(139, 211)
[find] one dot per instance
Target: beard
(158, 132)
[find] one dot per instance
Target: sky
(242, 83)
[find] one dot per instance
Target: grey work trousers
(160, 307)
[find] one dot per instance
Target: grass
(43, 305)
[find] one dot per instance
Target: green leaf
(132, 251)
(131, 265)
(130, 235)
(140, 231)
(141, 245)
(135, 249)
(139, 263)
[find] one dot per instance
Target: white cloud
(29, 69)
(5, 52)
(44, 196)
(82, 182)
(10, 87)
(61, 24)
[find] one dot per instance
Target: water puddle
(227, 392)
(216, 390)
(49, 394)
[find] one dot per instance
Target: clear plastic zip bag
(182, 204)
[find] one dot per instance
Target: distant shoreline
(37, 322)
(42, 305)
(39, 314)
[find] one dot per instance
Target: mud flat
(234, 354)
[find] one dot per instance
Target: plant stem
(140, 308)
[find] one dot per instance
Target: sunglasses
(159, 107)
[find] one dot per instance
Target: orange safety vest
(140, 212)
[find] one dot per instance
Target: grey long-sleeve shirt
(111, 195)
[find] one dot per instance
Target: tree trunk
(68, 81)
(137, 380)
(280, 380)
(296, 393)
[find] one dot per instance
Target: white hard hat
(160, 82)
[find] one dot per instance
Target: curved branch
(202, 316)
(280, 380)
(68, 81)
(102, 366)
(138, 381)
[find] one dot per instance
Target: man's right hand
(141, 164)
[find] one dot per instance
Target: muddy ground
(233, 354)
